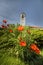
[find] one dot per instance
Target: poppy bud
(22, 43)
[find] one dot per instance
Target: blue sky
(11, 9)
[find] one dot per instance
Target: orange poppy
(28, 31)
(4, 21)
(22, 43)
(10, 31)
(34, 48)
(37, 50)
(20, 28)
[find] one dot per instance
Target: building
(22, 19)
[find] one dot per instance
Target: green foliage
(11, 53)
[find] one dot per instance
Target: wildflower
(22, 43)
(37, 50)
(20, 28)
(10, 31)
(34, 48)
(3, 26)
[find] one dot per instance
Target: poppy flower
(28, 31)
(3, 26)
(4, 21)
(10, 31)
(22, 43)
(20, 28)
(34, 48)
(37, 51)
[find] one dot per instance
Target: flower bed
(18, 46)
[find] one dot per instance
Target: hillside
(15, 45)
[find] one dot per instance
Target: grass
(10, 60)
(8, 39)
